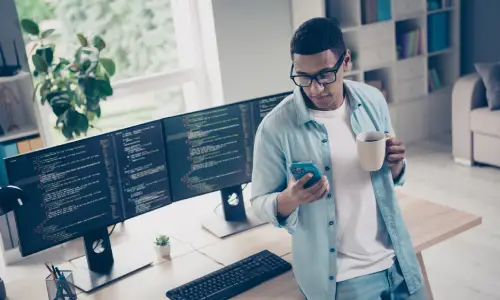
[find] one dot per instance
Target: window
(157, 48)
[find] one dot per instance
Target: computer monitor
(212, 150)
(80, 188)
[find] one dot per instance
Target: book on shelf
(15, 148)
(376, 11)
(438, 31)
(433, 5)
(434, 82)
(409, 43)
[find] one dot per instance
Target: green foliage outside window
(140, 38)
(38, 9)
(139, 33)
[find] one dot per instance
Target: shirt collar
(304, 115)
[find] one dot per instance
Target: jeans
(384, 285)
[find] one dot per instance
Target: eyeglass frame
(314, 77)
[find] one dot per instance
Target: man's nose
(316, 88)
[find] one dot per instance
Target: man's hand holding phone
(295, 194)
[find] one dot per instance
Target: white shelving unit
(418, 111)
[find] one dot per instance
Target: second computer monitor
(212, 149)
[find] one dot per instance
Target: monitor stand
(99, 267)
(235, 219)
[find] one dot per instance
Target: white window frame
(198, 58)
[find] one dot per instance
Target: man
(349, 237)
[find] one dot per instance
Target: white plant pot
(163, 251)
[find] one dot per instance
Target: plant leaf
(47, 33)
(45, 90)
(91, 115)
(47, 53)
(108, 65)
(105, 88)
(90, 88)
(98, 111)
(40, 63)
(71, 119)
(83, 40)
(86, 64)
(63, 61)
(67, 132)
(83, 123)
(62, 64)
(29, 26)
(99, 43)
(94, 108)
(59, 101)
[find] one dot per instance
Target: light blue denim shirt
(289, 134)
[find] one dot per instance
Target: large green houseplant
(72, 87)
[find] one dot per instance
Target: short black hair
(317, 35)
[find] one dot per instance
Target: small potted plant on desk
(163, 246)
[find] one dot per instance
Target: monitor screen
(142, 168)
(88, 184)
(213, 149)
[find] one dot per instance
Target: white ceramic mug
(371, 150)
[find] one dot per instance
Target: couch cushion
(490, 73)
(485, 121)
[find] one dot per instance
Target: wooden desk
(202, 253)
(427, 222)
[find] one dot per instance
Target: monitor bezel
(174, 199)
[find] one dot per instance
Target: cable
(231, 199)
(198, 251)
(112, 229)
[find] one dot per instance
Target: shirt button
(324, 141)
(331, 223)
(332, 250)
(329, 195)
(327, 168)
(331, 277)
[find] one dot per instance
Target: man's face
(324, 96)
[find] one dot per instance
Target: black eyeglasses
(324, 77)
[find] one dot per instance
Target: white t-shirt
(362, 243)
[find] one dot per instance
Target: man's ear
(347, 59)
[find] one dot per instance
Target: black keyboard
(233, 279)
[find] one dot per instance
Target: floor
(467, 266)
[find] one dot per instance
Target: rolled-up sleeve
(269, 178)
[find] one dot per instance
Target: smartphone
(299, 169)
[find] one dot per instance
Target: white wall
(253, 40)
(480, 43)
